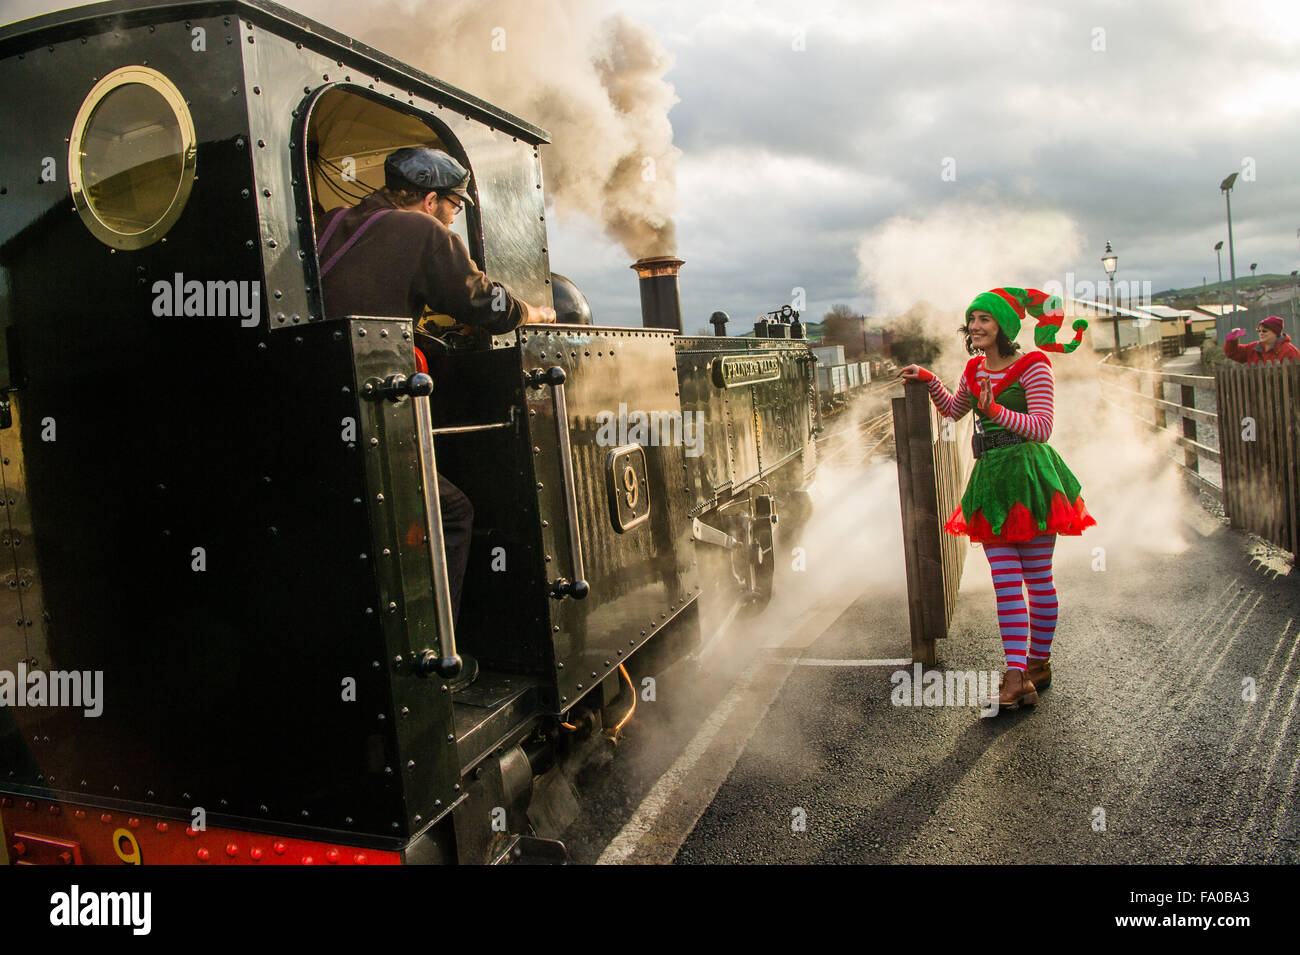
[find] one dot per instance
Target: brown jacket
(404, 262)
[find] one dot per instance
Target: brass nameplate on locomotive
(736, 370)
(629, 491)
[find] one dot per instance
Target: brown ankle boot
(1040, 673)
(1017, 690)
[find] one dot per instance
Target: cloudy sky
(1067, 125)
(882, 153)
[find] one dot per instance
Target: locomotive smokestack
(661, 303)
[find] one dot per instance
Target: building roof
(1218, 310)
(1104, 310)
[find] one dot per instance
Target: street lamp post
(1218, 254)
(1109, 262)
(1226, 188)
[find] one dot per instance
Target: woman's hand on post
(915, 373)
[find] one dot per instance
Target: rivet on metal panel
(451, 737)
(559, 666)
(580, 686)
(410, 764)
(593, 672)
(383, 333)
(379, 498)
(392, 607)
(397, 660)
(555, 629)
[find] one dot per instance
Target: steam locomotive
(219, 505)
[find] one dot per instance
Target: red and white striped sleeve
(1040, 391)
(950, 405)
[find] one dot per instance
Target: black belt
(983, 441)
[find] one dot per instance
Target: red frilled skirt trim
(1020, 526)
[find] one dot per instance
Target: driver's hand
(540, 315)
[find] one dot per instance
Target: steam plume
(595, 80)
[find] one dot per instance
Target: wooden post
(1190, 460)
(931, 477)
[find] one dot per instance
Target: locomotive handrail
(467, 428)
(555, 376)
(448, 663)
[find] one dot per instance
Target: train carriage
(222, 502)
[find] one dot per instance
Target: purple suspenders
(333, 226)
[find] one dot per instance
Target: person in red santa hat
(1273, 344)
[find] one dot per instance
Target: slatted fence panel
(1259, 439)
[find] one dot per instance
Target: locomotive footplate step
(489, 710)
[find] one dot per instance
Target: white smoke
(592, 78)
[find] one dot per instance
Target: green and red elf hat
(1008, 306)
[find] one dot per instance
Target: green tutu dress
(1021, 491)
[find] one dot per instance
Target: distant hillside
(1244, 283)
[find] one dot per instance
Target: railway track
(850, 443)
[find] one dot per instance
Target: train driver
(393, 254)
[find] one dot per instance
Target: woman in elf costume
(1020, 494)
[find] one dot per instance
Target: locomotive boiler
(221, 504)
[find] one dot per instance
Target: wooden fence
(1142, 389)
(1259, 434)
(1253, 435)
(934, 462)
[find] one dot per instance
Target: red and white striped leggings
(1017, 567)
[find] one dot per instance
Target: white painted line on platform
(666, 789)
(818, 662)
(673, 808)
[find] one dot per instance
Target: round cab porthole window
(131, 157)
